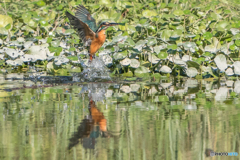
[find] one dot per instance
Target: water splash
(92, 71)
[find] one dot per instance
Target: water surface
(162, 119)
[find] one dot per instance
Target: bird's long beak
(113, 24)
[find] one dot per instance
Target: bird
(85, 25)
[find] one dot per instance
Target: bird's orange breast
(97, 42)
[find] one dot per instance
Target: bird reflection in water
(91, 127)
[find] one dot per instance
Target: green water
(144, 120)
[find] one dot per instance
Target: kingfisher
(86, 27)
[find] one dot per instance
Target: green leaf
(55, 43)
(233, 47)
(207, 35)
(73, 58)
(44, 23)
(186, 12)
(166, 35)
(41, 3)
(26, 17)
(8, 26)
(163, 98)
(62, 72)
(49, 40)
(131, 79)
(227, 11)
(221, 26)
(128, 74)
(151, 42)
(178, 12)
(74, 41)
(233, 94)
(199, 43)
(57, 50)
(130, 41)
(5, 20)
(162, 55)
(149, 13)
(141, 72)
(172, 46)
(75, 36)
(104, 2)
(69, 31)
(72, 49)
(31, 23)
(38, 37)
(237, 42)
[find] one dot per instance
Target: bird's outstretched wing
(86, 34)
(83, 14)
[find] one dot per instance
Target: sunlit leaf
(178, 12)
(5, 20)
(41, 3)
(163, 55)
(237, 42)
(207, 35)
(149, 13)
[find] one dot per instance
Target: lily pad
(186, 58)
(142, 72)
(39, 52)
(163, 55)
(17, 62)
(189, 45)
(236, 65)
(61, 60)
(192, 72)
(229, 72)
(165, 69)
(149, 13)
(107, 59)
(120, 55)
(13, 53)
(5, 20)
(153, 59)
(210, 48)
(125, 62)
(221, 62)
(134, 63)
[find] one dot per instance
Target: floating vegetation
(200, 40)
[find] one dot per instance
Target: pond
(162, 119)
